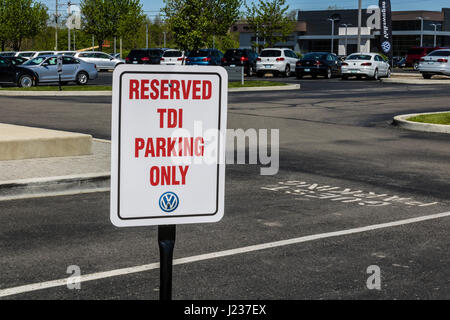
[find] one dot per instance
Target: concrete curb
(401, 122)
(13, 93)
(416, 81)
(54, 186)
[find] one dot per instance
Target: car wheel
(82, 78)
(416, 65)
(388, 75)
(287, 71)
(329, 74)
(26, 81)
(426, 76)
(250, 72)
(375, 75)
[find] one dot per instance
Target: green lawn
(64, 88)
(256, 83)
(438, 118)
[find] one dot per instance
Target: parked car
(436, 63)
(205, 57)
(17, 61)
(278, 61)
(7, 53)
(25, 54)
(73, 69)
(318, 63)
(241, 57)
(370, 65)
(399, 62)
(172, 57)
(11, 73)
(145, 56)
(415, 54)
(102, 60)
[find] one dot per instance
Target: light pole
(332, 32)
(346, 25)
(359, 24)
(421, 30)
(435, 25)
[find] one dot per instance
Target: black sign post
(166, 242)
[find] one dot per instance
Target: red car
(415, 54)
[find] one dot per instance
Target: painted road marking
(305, 190)
(219, 254)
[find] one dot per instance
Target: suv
(241, 57)
(205, 57)
(415, 54)
(145, 56)
(10, 73)
(274, 60)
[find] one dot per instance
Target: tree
(270, 20)
(111, 18)
(193, 22)
(21, 19)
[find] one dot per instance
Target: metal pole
(166, 242)
(93, 42)
(120, 41)
(56, 27)
(346, 39)
(332, 36)
(68, 28)
(164, 33)
(421, 31)
(74, 39)
(68, 33)
(359, 24)
(115, 45)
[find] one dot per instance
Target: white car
(275, 60)
(102, 60)
(437, 62)
(25, 54)
(370, 65)
(172, 57)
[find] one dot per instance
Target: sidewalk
(20, 179)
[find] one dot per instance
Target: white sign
(168, 145)
(59, 64)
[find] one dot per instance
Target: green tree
(110, 18)
(270, 20)
(193, 22)
(20, 19)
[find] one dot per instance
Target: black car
(17, 61)
(319, 64)
(241, 57)
(145, 56)
(11, 73)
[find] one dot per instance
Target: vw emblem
(386, 46)
(168, 202)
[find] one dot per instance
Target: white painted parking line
(219, 254)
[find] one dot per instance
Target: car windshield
(35, 61)
(270, 53)
(172, 54)
(315, 56)
(199, 53)
(444, 53)
(235, 53)
(359, 57)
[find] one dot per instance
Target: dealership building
(320, 30)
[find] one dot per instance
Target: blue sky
(152, 7)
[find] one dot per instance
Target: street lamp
(332, 32)
(435, 25)
(346, 25)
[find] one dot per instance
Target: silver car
(102, 60)
(73, 69)
(437, 62)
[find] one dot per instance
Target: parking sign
(168, 145)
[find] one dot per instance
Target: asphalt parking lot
(334, 136)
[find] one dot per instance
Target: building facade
(336, 31)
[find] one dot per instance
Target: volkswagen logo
(386, 46)
(168, 202)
